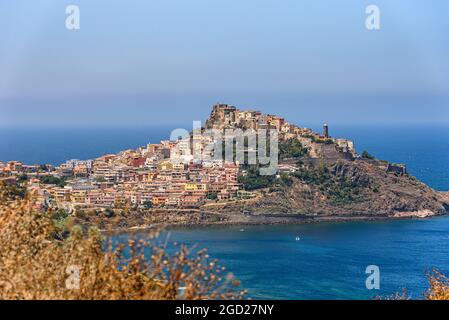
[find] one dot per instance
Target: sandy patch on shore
(414, 214)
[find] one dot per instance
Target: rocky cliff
(345, 188)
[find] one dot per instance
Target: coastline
(268, 220)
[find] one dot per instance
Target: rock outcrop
(329, 179)
(347, 188)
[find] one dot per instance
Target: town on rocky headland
(316, 177)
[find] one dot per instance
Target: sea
(309, 261)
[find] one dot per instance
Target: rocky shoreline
(237, 219)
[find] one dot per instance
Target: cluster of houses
(164, 174)
(129, 179)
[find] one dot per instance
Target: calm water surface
(329, 261)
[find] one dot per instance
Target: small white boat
(242, 230)
(298, 239)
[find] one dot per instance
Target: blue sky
(166, 61)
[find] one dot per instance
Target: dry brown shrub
(397, 296)
(438, 286)
(33, 265)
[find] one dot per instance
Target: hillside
(223, 173)
(345, 188)
(322, 176)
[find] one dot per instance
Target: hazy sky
(167, 61)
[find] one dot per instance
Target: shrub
(340, 190)
(60, 214)
(254, 181)
(438, 286)
(148, 204)
(60, 182)
(22, 178)
(212, 196)
(35, 265)
(214, 219)
(286, 179)
(366, 155)
(109, 213)
(9, 192)
(291, 148)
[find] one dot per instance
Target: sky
(167, 61)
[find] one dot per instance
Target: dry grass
(35, 265)
(438, 286)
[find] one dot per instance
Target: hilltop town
(317, 176)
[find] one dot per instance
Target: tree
(109, 213)
(212, 196)
(291, 148)
(60, 182)
(61, 214)
(22, 178)
(366, 155)
(11, 191)
(286, 179)
(148, 204)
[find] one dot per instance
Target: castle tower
(326, 131)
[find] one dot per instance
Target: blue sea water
(329, 261)
(55, 145)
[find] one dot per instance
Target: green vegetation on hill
(22, 178)
(212, 196)
(366, 155)
(291, 148)
(148, 204)
(60, 182)
(11, 192)
(254, 181)
(61, 224)
(340, 190)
